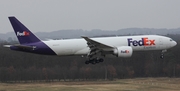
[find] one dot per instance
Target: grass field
(138, 84)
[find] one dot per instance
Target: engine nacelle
(123, 51)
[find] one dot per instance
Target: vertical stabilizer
(23, 34)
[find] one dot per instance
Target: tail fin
(23, 34)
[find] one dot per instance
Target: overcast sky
(52, 15)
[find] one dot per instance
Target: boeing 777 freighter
(94, 48)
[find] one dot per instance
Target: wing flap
(7, 46)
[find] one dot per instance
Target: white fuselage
(122, 46)
(138, 43)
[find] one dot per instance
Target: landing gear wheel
(93, 62)
(97, 61)
(101, 60)
(87, 62)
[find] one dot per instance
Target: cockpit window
(171, 40)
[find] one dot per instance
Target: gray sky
(52, 15)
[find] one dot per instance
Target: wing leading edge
(97, 47)
(97, 44)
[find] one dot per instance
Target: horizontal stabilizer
(7, 45)
(25, 47)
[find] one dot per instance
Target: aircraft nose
(174, 43)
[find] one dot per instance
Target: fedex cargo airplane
(95, 49)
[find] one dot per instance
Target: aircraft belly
(70, 51)
(82, 51)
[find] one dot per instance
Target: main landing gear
(94, 61)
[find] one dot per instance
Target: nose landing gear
(162, 54)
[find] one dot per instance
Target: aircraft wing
(96, 46)
(99, 45)
(24, 47)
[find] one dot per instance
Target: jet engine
(123, 51)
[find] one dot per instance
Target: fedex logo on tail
(24, 33)
(142, 42)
